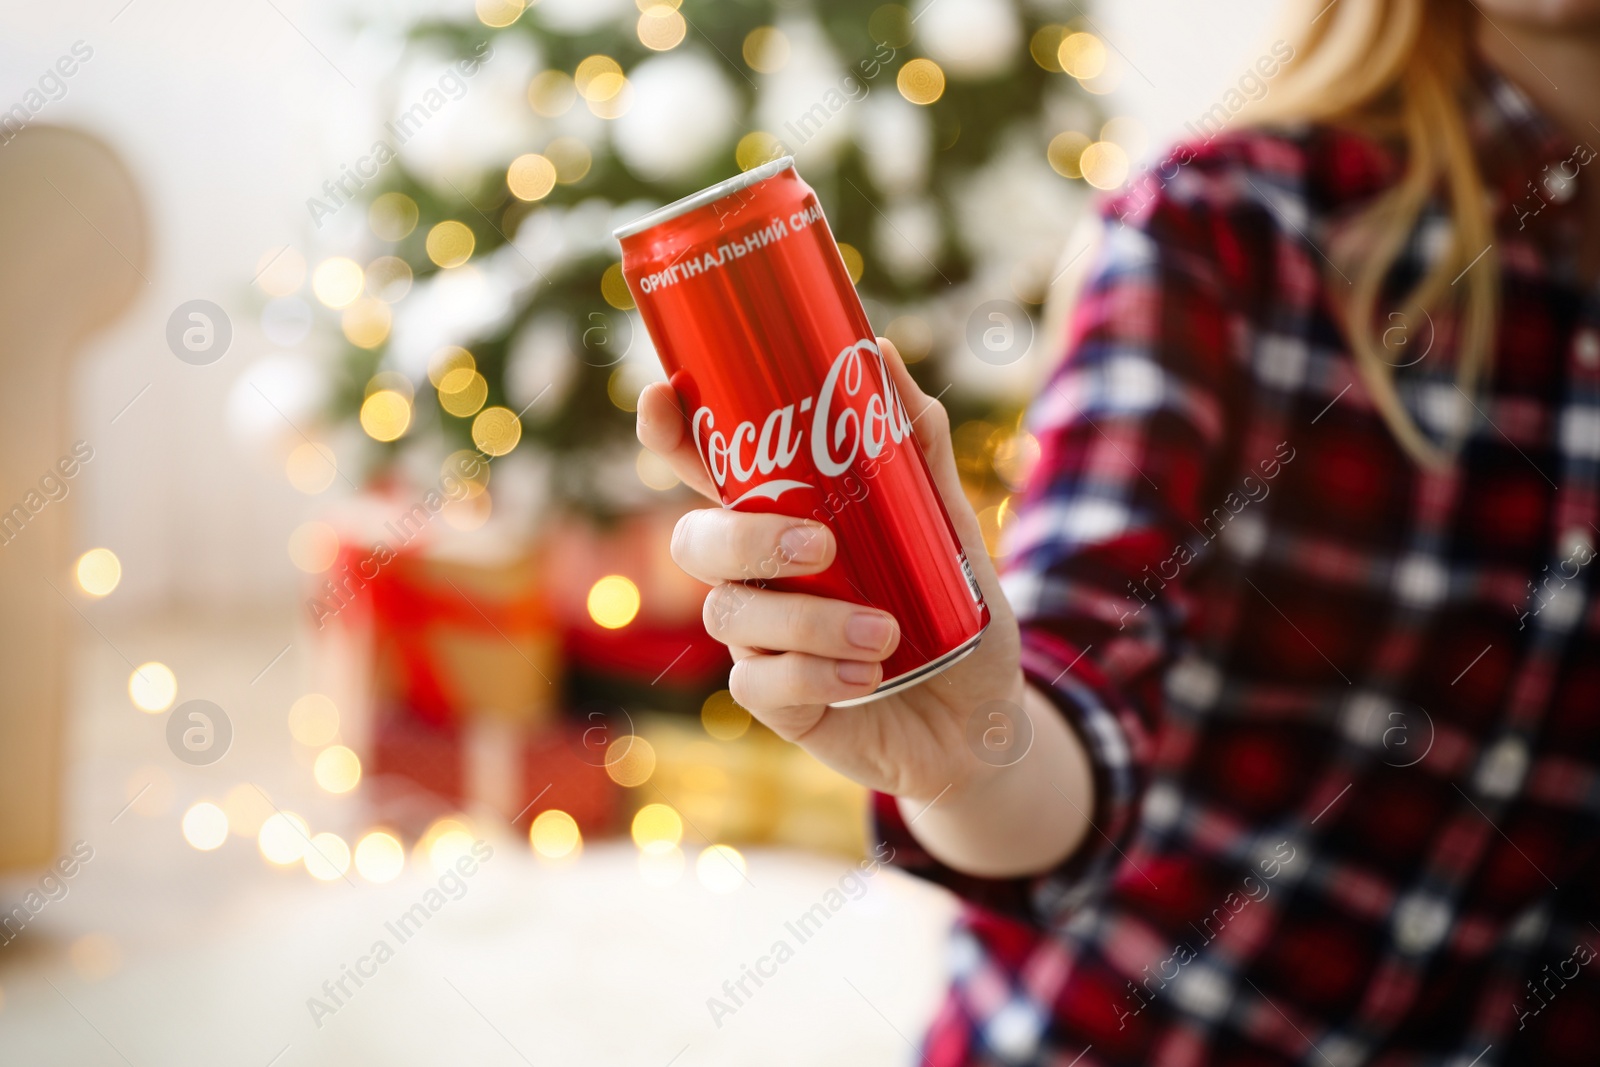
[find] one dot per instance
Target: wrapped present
(753, 789)
(447, 658)
(651, 648)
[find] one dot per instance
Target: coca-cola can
(745, 294)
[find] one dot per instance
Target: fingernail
(802, 544)
(869, 630)
(852, 672)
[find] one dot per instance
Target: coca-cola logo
(857, 412)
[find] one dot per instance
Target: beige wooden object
(74, 252)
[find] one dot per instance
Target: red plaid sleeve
(1130, 426)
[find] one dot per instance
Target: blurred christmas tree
(948, 144)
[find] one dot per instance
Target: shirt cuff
(1072, 684)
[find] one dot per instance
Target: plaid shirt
(1344, 712)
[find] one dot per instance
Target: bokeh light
(311, 467)
(723, 717)
(463, 391)
(766, 49)
(152, 687)
(246, 809)
(613, 601)
(447, 359)
(854, 264)
(890, 24)
(1065, 153)
(498, 13)
(337, 281)
(1105, 166)
(205, 826)
(496, 430)
(1082, 55)
(551, 93)
(282, 838)
(1045, 46)
(630, 760)
(920, 81)
(571, 157)
(554, 835)
(446, 841)
(657, 827)
(755, 148)
(313, 720)
(661, 27)
(720, 868)
(98, 571)
(588, 78)
(365, 323)
(313, 546)
(327, 857)
(385, 415)
(380, 857)
(531, 177)
(450, 244)
(389, 278)
(337, 769)
(393, 216)
(654, 471)
(280, 271)
(614, 288)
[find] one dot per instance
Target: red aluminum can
(744, 292)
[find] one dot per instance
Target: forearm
(1021, 819)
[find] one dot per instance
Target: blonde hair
(1395, 68)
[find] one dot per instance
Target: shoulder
(1233, 203)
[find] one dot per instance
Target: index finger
(663, 429)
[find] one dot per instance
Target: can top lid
(705, 196)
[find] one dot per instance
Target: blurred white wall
(232, 115)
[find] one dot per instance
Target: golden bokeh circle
(630, 761)
(498, 13)
(766, 49)
(450, 244)
(1065, 153)
(613, 602)
(393, 216)
(385, 415)
(99, 571)
(594, 67)
(337, 281)
(920, 81)
(755, 148)
(1082, 55)
(723, 717)
(554, 835)
(657, 827)
(313, 720)
(661, 27)
(1104, 165)
(366, 322)
(531, 177)
(463, 391)
(551, 93)
(571, 157)
(614, 288)
(854, 264)
(496, 430)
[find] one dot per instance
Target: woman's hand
(794, 654)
